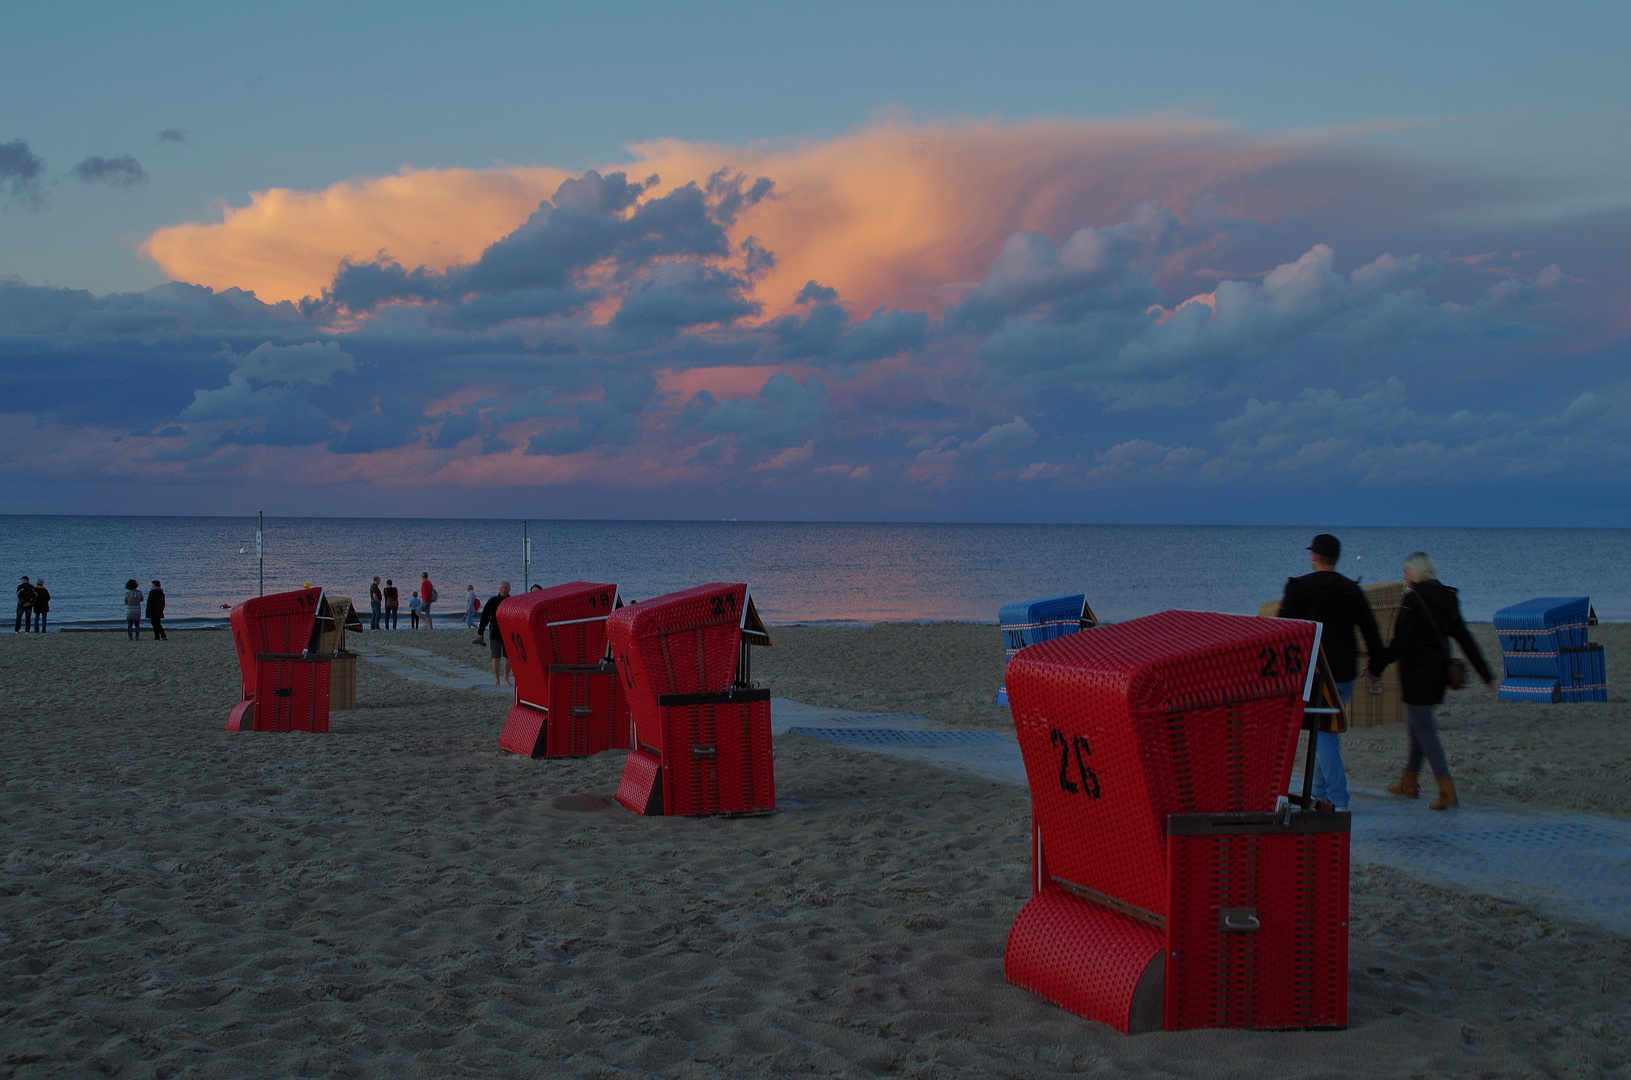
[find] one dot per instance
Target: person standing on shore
(427, 597)
(472, 607)
(1338, 604)
(25, 607)
(1429, 615)
(391, 603)
(133, 611)
(42, 605)
(489, 617)
(414, 607)
(375, 599)
(155, 611)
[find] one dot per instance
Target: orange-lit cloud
(286, 244)
(898, 214)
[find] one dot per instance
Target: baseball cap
(1326, 546)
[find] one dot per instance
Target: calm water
(799, 572)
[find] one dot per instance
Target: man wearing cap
(1339, 605)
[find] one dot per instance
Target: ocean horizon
(799, 572)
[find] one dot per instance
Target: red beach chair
(1169, 891)
(277, 630)
(566, 698)
(702, 730)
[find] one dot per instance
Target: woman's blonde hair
(1420, 565)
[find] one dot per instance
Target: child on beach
(415, 606)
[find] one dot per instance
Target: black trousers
(158, 627)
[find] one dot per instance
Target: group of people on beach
(135, 603)
(33, 606)
(1429, 618)
(385, 602)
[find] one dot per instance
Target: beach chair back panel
(535, 637)
(1533, 633)
(285, 623)
(1176, 712)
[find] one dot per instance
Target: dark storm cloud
(119, 172)
(591, 220)
(172, 135)
(20, 172)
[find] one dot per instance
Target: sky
(1190, 263)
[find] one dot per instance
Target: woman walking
(133, 611)
(1429, 615)
(472, 607)
(42, 606)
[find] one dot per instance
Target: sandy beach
(401, 898)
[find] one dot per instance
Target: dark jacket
(1339, 605)
(25, 597)
(1421, 653)
(155, 604)
(489, 615)
(42, 601)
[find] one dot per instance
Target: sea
(799, 572)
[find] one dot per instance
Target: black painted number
(721, 603)
(1086, 779)
(520, 645)
(1290, 659)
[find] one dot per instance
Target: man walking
(155, 612)
(376, 598)
(427, 597)
(1339, 605)
(392, 603)
(25, 608)
(489, 618)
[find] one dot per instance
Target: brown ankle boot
(1406, 785)
(1446, 795)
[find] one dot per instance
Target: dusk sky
(1209, 263)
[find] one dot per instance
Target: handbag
(1455, 669)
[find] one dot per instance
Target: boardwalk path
(1574, 865)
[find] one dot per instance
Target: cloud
(287, 244)
(121, 172)
(394, 422)
(171, 134)
(1037, 312)
(20, 172)
(783, 414)
(1002, 438)
(315, 362)
(889, 215)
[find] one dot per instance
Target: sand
(401, 898)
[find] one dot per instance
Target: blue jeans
(1330, 778)
(375, 624)
(1424, 741)
(133, 627)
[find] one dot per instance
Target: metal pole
(260, 549)
(526, 559)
